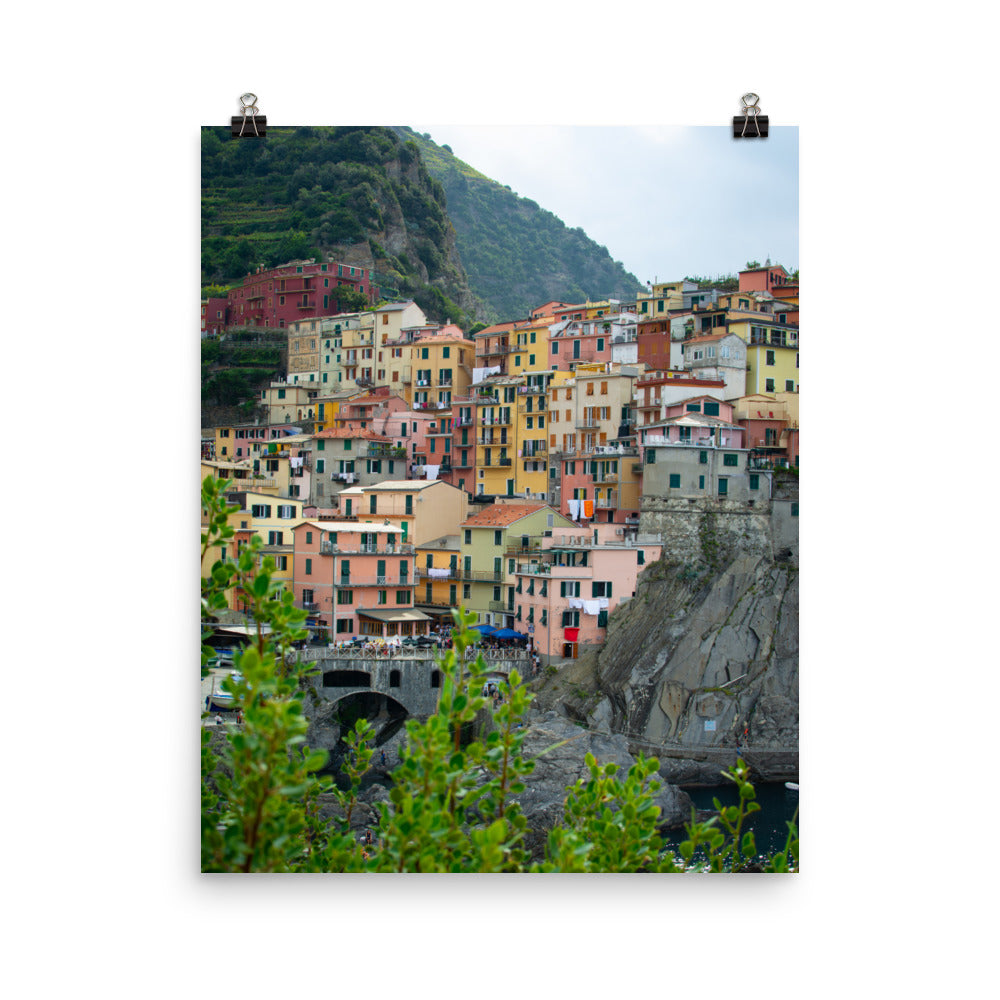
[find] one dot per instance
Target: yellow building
(772, 355)
(441, 367)
(437, 577)
(529, 346)
(270, 517)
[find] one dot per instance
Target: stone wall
(698, 529)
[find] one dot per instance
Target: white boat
(219, 698)
(792, 785)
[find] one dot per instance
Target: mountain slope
(516, 254)
(360, 195)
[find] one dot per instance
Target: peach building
(355, 579)
(570, 581)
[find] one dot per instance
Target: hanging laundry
(588, 508)
(431, 471)
(591, 607)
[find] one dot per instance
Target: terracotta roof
(499, 328)
(349, 432)
(499, 515)
(709, 336)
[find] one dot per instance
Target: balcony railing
(480, 576)
(356, 548)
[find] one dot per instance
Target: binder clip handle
(751, 112)
(248, 105)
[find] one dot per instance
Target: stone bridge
(411, 677)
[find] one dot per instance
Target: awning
(394, 615)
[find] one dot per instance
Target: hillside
(359, 195)
(516, 254)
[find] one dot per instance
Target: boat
(219, 698)
(792, 785)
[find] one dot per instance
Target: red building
(213, 316)
(293, 291)
(764, 279)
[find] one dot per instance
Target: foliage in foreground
(453, 802)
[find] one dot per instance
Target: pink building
(573, 342)
(701, 420)
(569, 585)
(355, 579)
(277, 296)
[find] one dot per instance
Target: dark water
(778, 806)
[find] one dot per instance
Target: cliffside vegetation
(518, 255)
(361, 195)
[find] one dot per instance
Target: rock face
(701, 659)
(545, 792)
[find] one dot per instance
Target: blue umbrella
(484, 629)
(507, 633)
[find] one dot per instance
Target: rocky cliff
(699, 659)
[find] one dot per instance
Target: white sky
(665, 201)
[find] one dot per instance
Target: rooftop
(500, 515)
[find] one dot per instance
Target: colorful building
(437, 590)
(569, 582)
(491, 539)
(355, 579)
(591, 446)
(422, 509)
(718, 357)
(301, 289)
(441, 366)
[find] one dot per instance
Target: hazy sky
(665, 201)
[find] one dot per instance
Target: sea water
(778, 807)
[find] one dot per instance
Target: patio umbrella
(507, 633)
(484, 629)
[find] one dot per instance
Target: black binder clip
(258, 123)
(751, 124)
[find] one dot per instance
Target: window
(754, 481)
(795, 508)
(730, 460)
(345, 596)
(789, 385)
(703, 458)
(723, 486)
(309, 536)
(711, 409)
(769, 360)
(675, 480)
(701, 482)
(309, 567)
(650, 456)
(320, 465)
(498, 538)
(402, 597)
(769, 385)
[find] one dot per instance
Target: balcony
(588, 425)
(608, 503)
(500, 606)
(606, 477)
(357, 549)
(485, 400)
(505, 461)
(480, 576)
